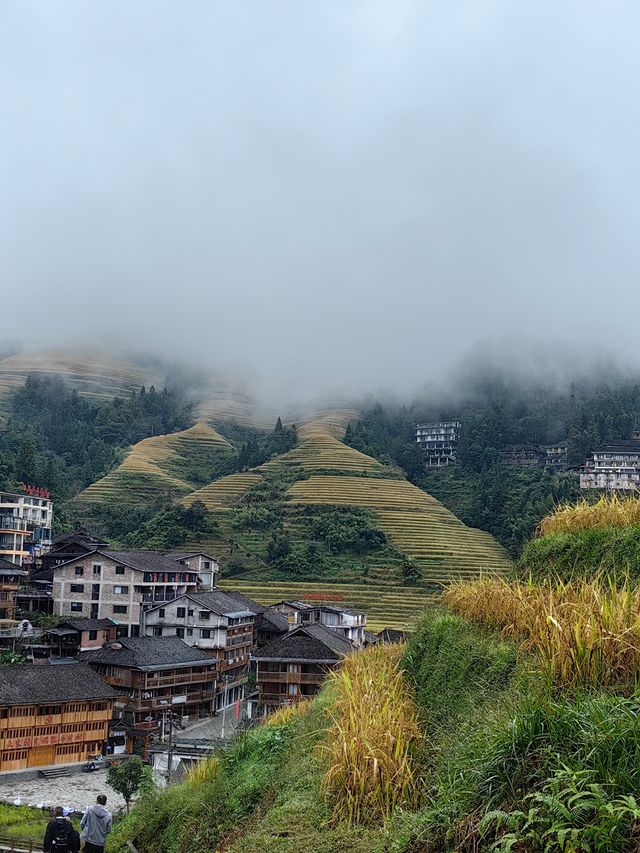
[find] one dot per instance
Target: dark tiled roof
(308, 642)
(143, 561)
(144, 652)
(271, 620)
(77, 537)
(391, 635)
(9, 568)
(620, 447)
(46, 685)
(89, 624)
(223, 602)
(182, 555)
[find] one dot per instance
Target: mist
(339, 195)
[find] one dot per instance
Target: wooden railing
(19, 845)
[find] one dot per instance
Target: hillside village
(213, 587)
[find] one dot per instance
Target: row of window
(203, 633)
(77, 607)
(52, 710)
(118, 590)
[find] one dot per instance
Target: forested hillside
(483, 491)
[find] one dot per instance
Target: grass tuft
(586, 633)
(374, 739)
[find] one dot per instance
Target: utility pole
(224, 703)
(170, 752)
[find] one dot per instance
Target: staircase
(54, 772)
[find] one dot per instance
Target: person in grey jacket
(96, 825)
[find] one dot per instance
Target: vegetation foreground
(510, 722)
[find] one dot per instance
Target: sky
(323, 194)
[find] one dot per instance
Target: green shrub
(615, 550)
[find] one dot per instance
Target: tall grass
(586, 633)
(374, 738)
(608, 511)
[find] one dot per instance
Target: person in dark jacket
(60, 836)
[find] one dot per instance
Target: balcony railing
(173, 680)
(291, 677)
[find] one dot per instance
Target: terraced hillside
(416, 523)
(321, 471)
(90, 374)
(170, 464)
(392, 607)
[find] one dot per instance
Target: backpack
(62, 835)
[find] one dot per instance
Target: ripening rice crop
(586, 633)
(374, 738)
(609, 511)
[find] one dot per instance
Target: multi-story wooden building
(614, 467)
(157, 674)
(222, 624)
(295, 666)
(25, 524)
(52, 715)
(117, 584)
(11, 576)
(73, 636)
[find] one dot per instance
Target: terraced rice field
(224, 402)
(392, 607)
(156, 465)
(91, 375)
(221, 495)
(416, 523)
(320, 450)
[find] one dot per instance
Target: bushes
(195, 815)
(514, 767)
(615, 550)
(455, 668)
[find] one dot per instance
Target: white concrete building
(205, 565)
(25, 524)
(613, 467)
(349, 624)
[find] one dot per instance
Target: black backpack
(62, 835)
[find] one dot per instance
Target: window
(96, 569)
(189, 632)
(119, 570)
(93, 635)
(205, 633)
(121, 590)
(180, 612)
(120, 608)
(161, 613)
(157, 631)
(189, 612)
(180, 633)
(76, 607)
(207, 564)
(77, 587)
(79, 571)
(204, 614)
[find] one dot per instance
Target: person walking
(60, 836)
(95, 826)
